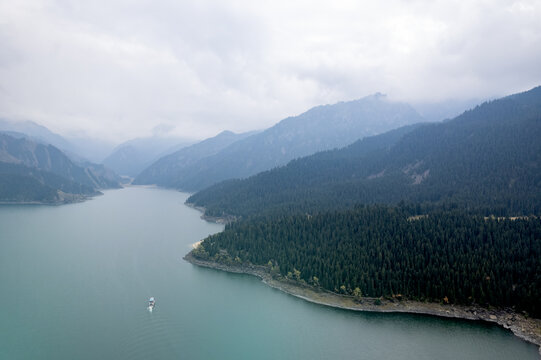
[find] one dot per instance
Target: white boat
(151, 303)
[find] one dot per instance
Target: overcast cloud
(121, 69)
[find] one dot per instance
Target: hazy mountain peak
(48, 169)
(488, 157)
(320, 128)
(226, 133)
(132, 156)
(35, 132)
(168, 169)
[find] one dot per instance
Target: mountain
(84, 148)
(444, 110)
(133, 156)
(427, 238)
(80, 148)
(320, 128)
(34, 163)
(23, 184)
(488, 158)
(102, 177)
(168, 169)
(35, 132)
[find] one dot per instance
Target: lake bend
(75, 280)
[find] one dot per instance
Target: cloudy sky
(118, 69)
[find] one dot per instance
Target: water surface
(74, 281)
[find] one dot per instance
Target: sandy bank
(195, 245)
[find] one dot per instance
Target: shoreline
(525, 328)
(213, 219)
(64, 199)
(50, 203)
(528, 329)
(196, 244)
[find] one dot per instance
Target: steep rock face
(321, 128)
(168, 169)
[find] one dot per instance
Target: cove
(75, 280)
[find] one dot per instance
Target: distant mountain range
(487, 158)
(321, 128)
(170, 168)
(36, 172)
(133, 156)
(78, 149)
(35, 132)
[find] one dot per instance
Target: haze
(124, 69)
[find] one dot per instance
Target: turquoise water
(74, 281)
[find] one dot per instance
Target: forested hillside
(488, 159)
(428, 238)
(35, 172)
(49, 158)
(381, 251)
(20, 183)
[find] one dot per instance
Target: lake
(75, 280)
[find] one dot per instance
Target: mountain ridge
(50, 175)
(489, 156)
(321, 128)
(165, 170)
(133, 156)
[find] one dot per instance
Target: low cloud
(120, 69)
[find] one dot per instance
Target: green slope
(487, 159)
(445, 256)
(21, 183)
(48, 158)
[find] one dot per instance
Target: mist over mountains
(181, 164)
(80, 148)
(36, 172)
(486, 158)
(34, 132)
(168, 169)
(320, 128)
(131, 157)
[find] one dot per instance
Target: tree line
(446, 256)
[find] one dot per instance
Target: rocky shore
(524, 327)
